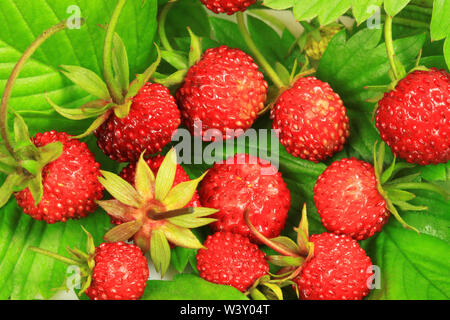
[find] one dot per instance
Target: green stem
(256, 53)
(56, 256)
(13, 77)
(390, 45)
(162, 26)
(108, 75)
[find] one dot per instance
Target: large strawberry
(153, 212)
(227, 6)
(70, 183)
(223, 91)
(231, 259)
(53, 176)
(246, 182)
(131, 117)
(311, 120)
(321, 267)
(413, 118)
(355, 198)
(111, 271)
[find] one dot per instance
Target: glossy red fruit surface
(227, 6)
(153, 119)
(311, 120)
(70, 183)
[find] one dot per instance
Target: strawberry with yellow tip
(153, 212)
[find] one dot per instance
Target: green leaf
(279, 4)
(364, 9)
(160, 251)
(440, 20)
(447, 51)
(87, 80)
(393, 7)
(189, 287)
(327, 11)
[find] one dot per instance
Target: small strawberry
(70, 183)
(227, 6)
(311, 119)
(338, 270)
(224, 90)
(246, 182)
(321, 267)
(231, 259)
(111, 271)
(153, 212)
(413, 118)
(315, 48)
(53, 176)
(132, 117)
(348, 201)
(355, 198)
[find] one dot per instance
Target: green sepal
(50, 152)
(141, 79)
(89, 110)
(181, 237)
(36, 188)
(144, 179)
(114, 208)
(159, 251)
(408, 178)
(285, 261)
(120, 189)
(121, 111)
(166, 175)
(407, 206)
(123, 231)
(180, 195)
(87, 80)
(95, 125)
(176, 59)
(7, 188)
(195, 219)
(283, 73)
(23, 147)
(7, 164)
(174, 79)
(399, 195)
(286, 243)
(195, 52)
(303, 232)
(120, 63)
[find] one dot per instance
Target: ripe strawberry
(111, 271)
(246, 182)
(338, 270)
(153, 119)
(120, 272)
(231, 259)
(227, 6)
(70, 183)
(348, 201)
(311, 120)
(413, 119)
(224, 90)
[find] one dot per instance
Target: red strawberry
(338, 270)
(348, 201)
(111, 271)
(413, 119)
(224, 90)
(246, 182)
(311, 120)
(227, 6)
(231, 259)
(153, 119)
(120, 272)
(70, 183)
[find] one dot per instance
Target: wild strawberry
(311, 119)
(70, 183)
(111, 271)
(348, 201)
(246, 182)
(338, 270)
(413, 119)
(153, 212)
(152, 120)
(231, 259)
(315, 49)
(227, 6)
(224, 90)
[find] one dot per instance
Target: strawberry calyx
(153, 212)
(20, 159)
(394, 189)
(292, 255)
(115, 93)
(84, 260)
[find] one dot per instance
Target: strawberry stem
(257, 54)
(390, 45)
(170, 214)
(13, 77)
(162, 26)
(113, 88)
